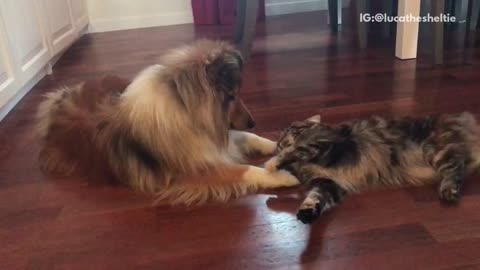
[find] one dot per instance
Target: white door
(8, 80)
(80, 14)
(25, 36)
(60, 24)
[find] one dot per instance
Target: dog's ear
(225, 73)
(239, 58)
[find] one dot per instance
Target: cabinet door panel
(79, 13)
(60, 23)
(5, 73)
(26, 35)
(7, 79)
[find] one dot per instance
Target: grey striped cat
(375, 152)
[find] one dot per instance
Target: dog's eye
(226, 74)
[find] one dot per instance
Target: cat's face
(290, 134)
(310, 141)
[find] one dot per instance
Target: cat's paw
(449, 193)
(308, 215)
(271, 165)
(310, 210)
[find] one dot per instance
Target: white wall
(278, 7)
(110, 15)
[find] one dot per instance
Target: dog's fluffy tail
(47, 107)
(64, 125)
(223, 184)
(67, 121)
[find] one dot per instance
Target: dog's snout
(240, 117)
(251, 124)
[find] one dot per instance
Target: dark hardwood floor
(297, 69)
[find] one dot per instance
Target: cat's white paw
(271, 164)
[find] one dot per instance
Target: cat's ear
(315, 119)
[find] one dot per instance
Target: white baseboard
(273, 8)
(5, 109)
(279, 7)
(132, 22)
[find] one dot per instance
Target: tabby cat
(375, 152)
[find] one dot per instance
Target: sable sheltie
(173, 131)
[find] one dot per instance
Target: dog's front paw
(285, 179)
(272, 164)
(267, 147)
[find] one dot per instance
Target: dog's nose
(251, 124)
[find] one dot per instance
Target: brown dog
(167, 132)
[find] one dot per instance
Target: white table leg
(407, 32)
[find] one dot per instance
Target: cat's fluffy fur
(166, 132)
(375, 152)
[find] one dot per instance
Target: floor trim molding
(5, 109)
(275, 7)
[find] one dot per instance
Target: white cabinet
(8, 80)
(79, 13)
(26, 35)
(60, 24)
(32, 33)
